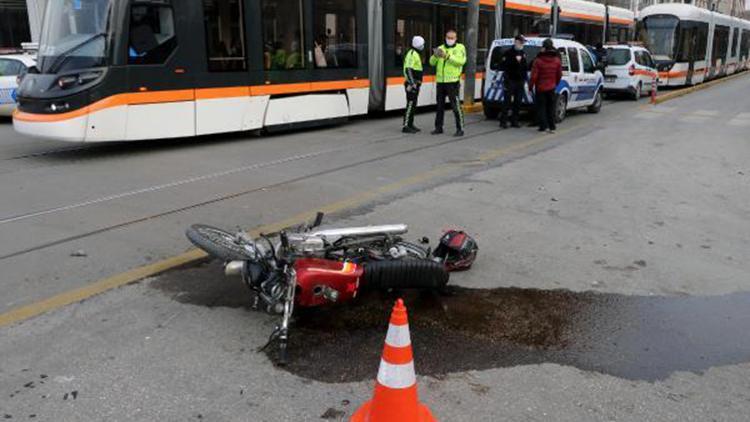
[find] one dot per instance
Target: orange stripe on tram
(160, 97)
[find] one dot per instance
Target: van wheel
(561, 109)
(638, 92)
(596, 106)
(491, 112)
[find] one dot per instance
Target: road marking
(739, 122)
(173, 184)
(706, 113)
(649, 115)
(689, 118)
(137, 274)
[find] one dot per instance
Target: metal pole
(472, 29)
(499, 18)
(555, 16)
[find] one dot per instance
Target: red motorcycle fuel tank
(323, 281)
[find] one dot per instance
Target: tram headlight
(65, 82)
(68, 81)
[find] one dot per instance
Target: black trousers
(545, 109)
(411, 105)
(449, 90)
(513, 94)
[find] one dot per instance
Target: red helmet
(457, 250)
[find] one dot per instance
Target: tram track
(225, 197)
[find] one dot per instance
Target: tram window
(484, 35)
(515, 22)
(701, 43)
(721, 40)
(575, 65)
(225, 35)
(745, 43)
(451, 17)
(411, 20)
(335, 30)
(735, 42)
(588, 63)
(152, 34)
(283, 45)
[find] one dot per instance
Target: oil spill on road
(633, 337)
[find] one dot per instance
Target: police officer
(412, 82)
(449, 60)
(514, 68)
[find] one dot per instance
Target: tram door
(158, 71)
(692, 35)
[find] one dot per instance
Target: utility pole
(472, 29)
(499, 18)
(555, 11)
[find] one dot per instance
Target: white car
(11, 66)
(630, 70)
(581, 84)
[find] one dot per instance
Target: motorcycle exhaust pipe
(233, 268)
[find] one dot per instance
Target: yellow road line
(128, 277)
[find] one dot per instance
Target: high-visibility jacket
(449, 68)
(413, 69)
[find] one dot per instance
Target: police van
(581, 85)
(12, 66)
(630, 70)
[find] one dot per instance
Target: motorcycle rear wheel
(218, 243)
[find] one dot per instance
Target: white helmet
(417, 42)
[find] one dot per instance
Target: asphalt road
(636, 202)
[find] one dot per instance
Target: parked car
(580, 87)
(12, 67)
(630, 70)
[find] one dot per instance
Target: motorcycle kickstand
(283, 337)
(274, 335)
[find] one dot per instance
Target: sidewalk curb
(681, 92)
(477, 107)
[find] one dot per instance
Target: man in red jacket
(546, 73)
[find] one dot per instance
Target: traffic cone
(395, 398)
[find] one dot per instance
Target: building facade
(20, 22)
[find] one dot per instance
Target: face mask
(450, 43)
(420, 48)
(518, 47)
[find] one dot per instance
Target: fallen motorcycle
(308, 267)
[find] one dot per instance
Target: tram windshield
(659, 34)
(74, 35)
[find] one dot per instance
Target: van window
(10, 67)
(497, 55)
(564, 59)
(618, 56)
(575, 65)
(588, 63)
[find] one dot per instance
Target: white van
(11, 67)
(581, 86)
(630, 70)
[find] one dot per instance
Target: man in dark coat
(514, 68)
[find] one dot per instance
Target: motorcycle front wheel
(218, 243)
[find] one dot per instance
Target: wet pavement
(632, 337)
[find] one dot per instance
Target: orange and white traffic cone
(395, 398)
